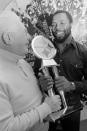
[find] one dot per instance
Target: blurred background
(77, 8)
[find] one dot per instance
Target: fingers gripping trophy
(44, 49)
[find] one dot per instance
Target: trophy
(44, 50)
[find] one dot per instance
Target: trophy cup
(44, 50)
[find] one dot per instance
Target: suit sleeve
(20, 122)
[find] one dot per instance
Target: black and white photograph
(43, 65)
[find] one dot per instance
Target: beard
(61, 36)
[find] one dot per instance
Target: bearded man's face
(61, 27)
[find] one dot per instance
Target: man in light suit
(21, 106)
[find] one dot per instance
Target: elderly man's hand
(61, 83)
(54, 102)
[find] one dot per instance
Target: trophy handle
(46, 73)
(61, 92)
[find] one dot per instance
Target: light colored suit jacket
(20, 97)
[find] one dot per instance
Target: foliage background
(77, 8)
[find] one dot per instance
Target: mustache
(62, 38)
(58, 31)
(61, 30)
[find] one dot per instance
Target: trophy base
(56, 115)
(65, 113)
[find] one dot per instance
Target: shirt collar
(70, 41)
(73, 42)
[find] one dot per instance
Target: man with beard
(72, 60)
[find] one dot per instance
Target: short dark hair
(65, 12)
